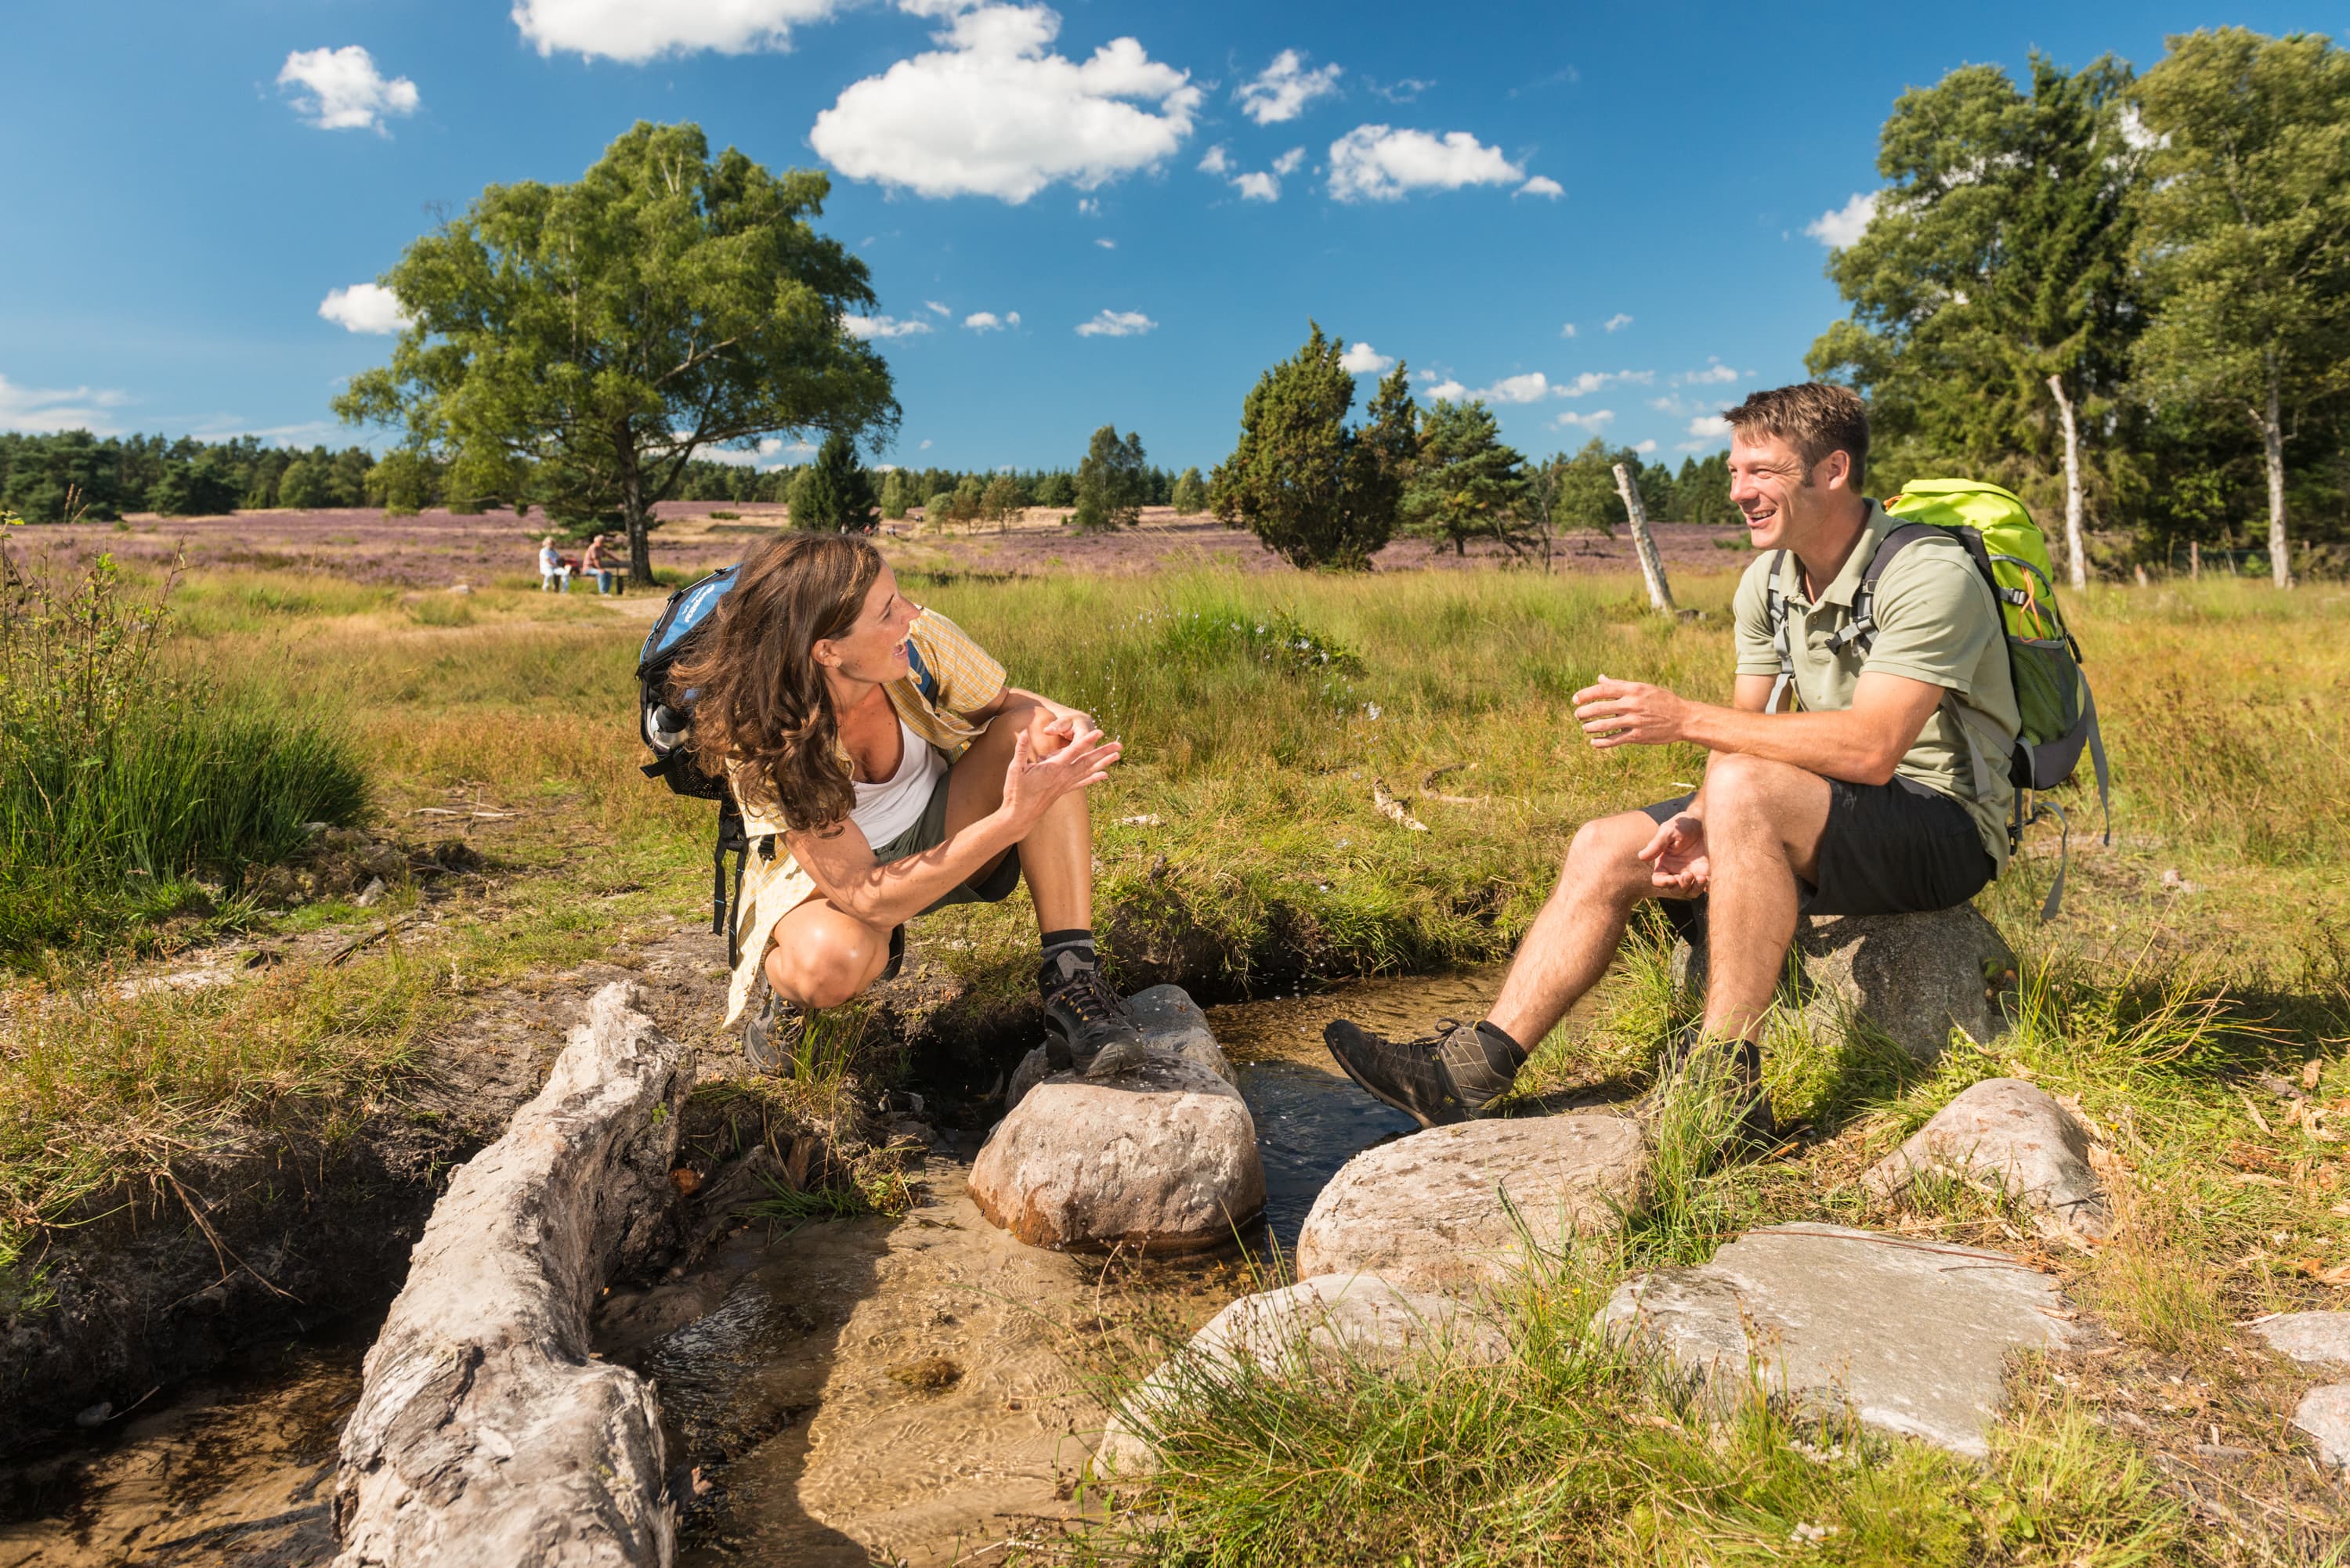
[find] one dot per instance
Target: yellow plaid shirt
(951, 677)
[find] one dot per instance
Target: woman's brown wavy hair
(762, 712)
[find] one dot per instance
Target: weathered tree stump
(486, 1432)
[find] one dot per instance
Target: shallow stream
(916, 1389)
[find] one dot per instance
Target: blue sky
(1628, 203)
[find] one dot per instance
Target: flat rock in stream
(1319, 1328)
(1429, 1210)
(2006, 1133)
(1913, 1335)
(1911, 976)
(1160, 1159)
(2318, 1339)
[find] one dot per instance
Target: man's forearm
(1838, 745)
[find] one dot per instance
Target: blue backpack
(665, 720)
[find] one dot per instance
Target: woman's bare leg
(822, 956)
(1057, 858)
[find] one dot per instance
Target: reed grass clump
(120, 779)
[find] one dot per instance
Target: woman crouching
(884, 770)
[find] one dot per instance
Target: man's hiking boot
(1449, 1076)
(1089, 1026)
(1694, 1064)
(772, 1038)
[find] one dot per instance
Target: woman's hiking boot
(896, 955)
(1696, 1065)
(1449, 1076)
(772, 1037)
(1088, 1025)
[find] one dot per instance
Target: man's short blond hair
(1814, 418)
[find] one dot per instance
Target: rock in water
(1161, 1158)
(2007, 1134)
(1427, 1210)
(1913, 1335)
(1912, 976)
(1318, 1328)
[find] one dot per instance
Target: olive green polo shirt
(1936, 622)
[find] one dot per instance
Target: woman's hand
(1033, 783)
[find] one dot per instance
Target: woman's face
(874, 648)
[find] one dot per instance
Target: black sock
(1493, 1034)
(1078, 942)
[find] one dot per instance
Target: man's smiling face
(1767, 483)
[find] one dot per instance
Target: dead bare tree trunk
(1644, 544)
(486, 1432)
(2073, 545)
(2272, 424)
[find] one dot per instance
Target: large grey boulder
(2013, 1137)
(1911, 976)
(1160, 1159)
(1429, 1209)
(485, 1431)
(2324, 1415)
(1321, 1328)
(2311, 1338)
(1912, 1335)
(2318, 1339)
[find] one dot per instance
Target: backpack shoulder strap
(1775, 611)
(925, 682)
(1861, 630)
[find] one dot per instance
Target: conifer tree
(1466, 484)
(1316, 491)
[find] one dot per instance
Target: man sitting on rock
(1883, 790)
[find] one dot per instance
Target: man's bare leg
(1576, 937)
(1762, 826)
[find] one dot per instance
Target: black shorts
(1892, 848)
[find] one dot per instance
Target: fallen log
(486, 1432)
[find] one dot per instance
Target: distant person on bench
(884, 770)
(607, 580)
(554, 571)
(1879, 796)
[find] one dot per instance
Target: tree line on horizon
(2125, 296)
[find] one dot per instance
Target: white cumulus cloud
(1839, 227)
(994, 112)
(1644, 447)
(58, 408)
(1540, 185)
(1258, 186)
(934, 306)
(1567, 330)
(1447, 390)
(1715, 374)
(1213, 161)
(1363, 359)
(364, 307)
(869, 326)
(1709, 427)
(1595, 422)
(1288, 161)
(1531, 388)
(635, 31)
(1617, 322)
(1116, 324)
(1590, 381)
(1106, 243)
(340, 89)
(1376, 163)
(988, 321)
(1284, 87)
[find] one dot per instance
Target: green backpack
(2060, 716)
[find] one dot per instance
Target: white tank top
(886, 809)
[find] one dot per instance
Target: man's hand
(1630, 712)
(1677, 859)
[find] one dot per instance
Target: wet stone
(1914, 1336)
(2324, 1415)
(1160, 1159)
(1429, 1210)
(2012, 1135)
